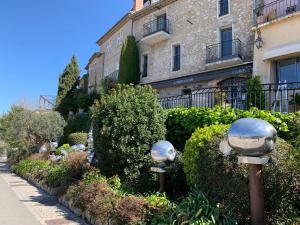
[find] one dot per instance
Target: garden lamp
(253, 139)
(162, 152)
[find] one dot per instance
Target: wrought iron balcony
(276, 9)
(156, 31)
(155, 26)
(224, 51)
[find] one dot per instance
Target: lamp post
(162, 153)
(252, 139)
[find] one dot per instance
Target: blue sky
(38, 38)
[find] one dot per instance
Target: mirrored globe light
(80, 147)
(163, 151)
(43, 149)
(252, 137)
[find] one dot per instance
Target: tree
(23, 130)
(129, 72)
(68, 82)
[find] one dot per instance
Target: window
(226, 42)
(223, 7)
(145, 66)
(288, 70)
(161, 22)
(120, 38)
(176, 57)
(108, 47)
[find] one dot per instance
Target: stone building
(185, 44)
(95, 70)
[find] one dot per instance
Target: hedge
(182, 122)
(224, 181)
(77, 138)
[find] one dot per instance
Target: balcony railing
(275, 9)
(224, 50)
(155, 26)
(282, 98)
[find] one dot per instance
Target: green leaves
(182, 122)
(67, 84)
(126, 123)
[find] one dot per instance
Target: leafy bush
(255, 93)
(194, 209)
(80, 123)
(76, 163)
(38, 156)
(56, 176)
(77, 138)
(182, 122)
(131, 210)
(126, 122)
(100, 201)
(214, 174)
(30, 168)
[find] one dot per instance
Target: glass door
(226, 43)
(161, 22)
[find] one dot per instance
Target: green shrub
(195, 209)
(182, 122)
(77, 138)
(76, 164)
(224, 181)
(126, 123)
(131, 210)
(57, 176)
(255, 93)
(30, 168)
(80, 123)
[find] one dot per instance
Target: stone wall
(95, 71)
(194, 24)
(111, 48)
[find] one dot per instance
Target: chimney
(138, 5)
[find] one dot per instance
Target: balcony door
(161, 22)
(226, 43)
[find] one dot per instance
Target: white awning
(281, 51)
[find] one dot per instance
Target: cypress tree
(68, 82)
(129, 70)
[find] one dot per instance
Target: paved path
(24, 204)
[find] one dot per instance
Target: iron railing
(282, 98)
(155, 26)
(276, 9)
(224, 50)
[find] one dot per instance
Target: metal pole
(162, 181)
(256, 195)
